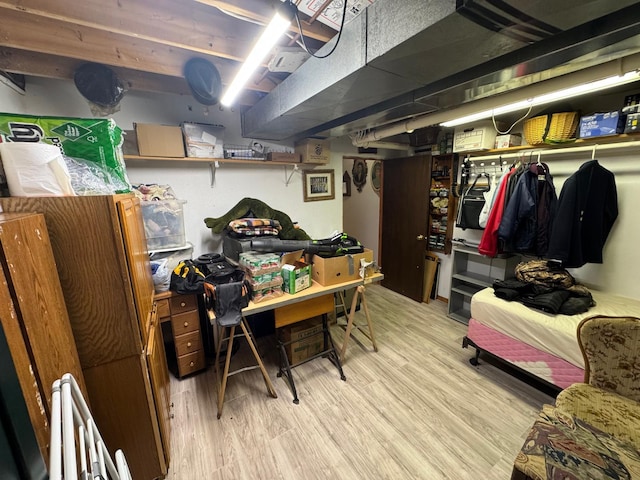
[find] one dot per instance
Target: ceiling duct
(401, 59)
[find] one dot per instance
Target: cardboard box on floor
(159, 140)
(333, 270)
(306, 337)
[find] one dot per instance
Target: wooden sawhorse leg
(350, 324)
(226, 374)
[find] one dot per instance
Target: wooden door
(404, 224)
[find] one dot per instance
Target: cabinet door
(137, 259)
(159, 373)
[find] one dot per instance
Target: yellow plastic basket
(552, 128)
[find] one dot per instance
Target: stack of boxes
(263, 272)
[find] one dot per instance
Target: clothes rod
(534, 153)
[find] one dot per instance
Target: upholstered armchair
(610, 397)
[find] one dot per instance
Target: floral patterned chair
(594, 429)
(610, 397)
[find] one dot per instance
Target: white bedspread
(554, 334)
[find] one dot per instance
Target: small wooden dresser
(182, 312)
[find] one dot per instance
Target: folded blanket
(253, 227)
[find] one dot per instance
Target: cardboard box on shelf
(333, 270)
(283, 157)
(506, 141)
(474, 138)
(601, 124)
(203, 140)
(313, 150)
(306, 339)
(296, 274)
(159, 140)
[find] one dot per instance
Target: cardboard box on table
(334, 270)
(296, 274)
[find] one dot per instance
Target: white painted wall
(192, 181)
(361, 211)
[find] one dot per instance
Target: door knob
(420, 237)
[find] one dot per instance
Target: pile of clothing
(539, 284)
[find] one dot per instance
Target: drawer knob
(172, 416)
(183, 304)
(188, 344)
(186, 324)
(191, 364)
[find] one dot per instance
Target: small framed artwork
(318, 185)
(376, 176)
(346, 184)
(359, 172)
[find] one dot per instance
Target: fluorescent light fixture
(278, 25)
(547, 98)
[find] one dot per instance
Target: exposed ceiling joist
(32, 33)
(183, 24)
(50, 66)
(263, 11)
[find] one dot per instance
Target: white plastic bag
(35, 169)
(161, 274)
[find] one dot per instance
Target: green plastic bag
(95, 140)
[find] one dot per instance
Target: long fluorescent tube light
(278, 25)
(547, 98)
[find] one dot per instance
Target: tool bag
(219, 272)
(187, 278)
(471, 204)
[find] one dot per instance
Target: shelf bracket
(212, 170)
(288, 179)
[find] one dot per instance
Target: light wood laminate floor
(416, 409)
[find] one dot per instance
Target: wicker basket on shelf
(551, 128)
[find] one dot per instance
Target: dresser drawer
(192, 362)
(162, 307)
(183, 303)
(185, 323)
(188, 343)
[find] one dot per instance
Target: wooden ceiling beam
(51, 66)
(183, 24)
(263, 12)
(24, 31)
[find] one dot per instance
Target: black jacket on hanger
(587, 209)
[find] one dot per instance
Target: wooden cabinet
(101, 257)
(442, 203)
(183, 314)
(34, 317)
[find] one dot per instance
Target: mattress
(552, 334)
(543, 365)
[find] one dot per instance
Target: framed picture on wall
(318, 185)
(359, 172)
(376, 176)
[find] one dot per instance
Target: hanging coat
(527, 218)
(587, 210)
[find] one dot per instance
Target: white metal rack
(68, 412)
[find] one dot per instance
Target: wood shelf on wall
(238, 161)
(580, 142)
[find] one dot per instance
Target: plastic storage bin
(164, 224)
